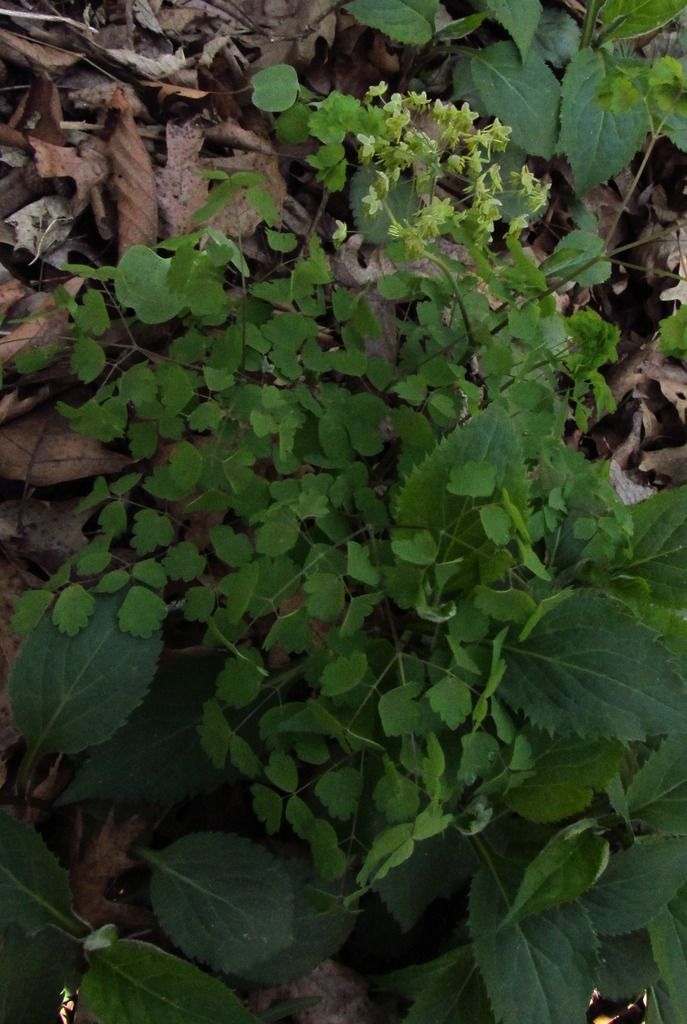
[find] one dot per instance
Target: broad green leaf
(33, 972)
(141, 284)
(134, 981)
(522, 94)
(597, 142)
(453, 995)
(222, 900)
(668, 933)
(68, 693)
(519, 20)
(658, 793)
(156, 756)
(406, 21)
(638, 16)
(660, 1007)
(29, 610)
(659, 547)
(626, 964)
(564, 779)
(557, 38)
(566, 867)
(622, 900)
(438, 867)
(589, 669)
(34, 887)
(320, 927)
(537, 971)
(275, 88)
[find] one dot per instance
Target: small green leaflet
(134, 981)
(535, 972)
(589, 669)
(658, 792)
(622, 901)
(522, 94)
(638, 16)
(275, 88)
(597, 142)
(566, 867)
(34, 887)
(141, 284)
(406, 21)
(68, 693)
(222, 900)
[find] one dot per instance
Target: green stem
(453, 285)
(590, 16)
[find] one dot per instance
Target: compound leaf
(222, 900)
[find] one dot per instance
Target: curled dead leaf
(133, 180)
(47, 327)
(42, 450)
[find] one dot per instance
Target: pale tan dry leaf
(42, 225)
(10, 292)
(162, 66)
(88, 167)
(342, 995)
(627, 490)
(146, 16)
(133, 180)
(167, 89)
(38, 56)
(230, 133)
(42, 450)
(289, 30)
(12, 406)
(48, 329)
(180, 188)
(42, 532)
(105, 858)
(86, 90)
(667, 462)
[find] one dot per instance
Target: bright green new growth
(440, 655)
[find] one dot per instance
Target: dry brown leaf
(88, 167)
(627, 490)
(48, 329)
(180, 189)
(42, 225)
(667, 462)
(289, 29)
(42, 532)
(342, 995)
(39, 57)
(12, 405)
(10, 292)
(105, 858)
(133, 180)
(42, 450)
(238, 219)
(13, 583)
(39, 113)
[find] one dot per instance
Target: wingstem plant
(431, 648)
